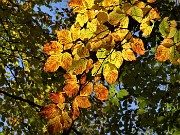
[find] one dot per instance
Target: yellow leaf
(53, 48)
(172, 32)
(86, 89)
(162, 53)
(75, 31)
(128, 55)
(66, 61)
(140, 4)
(52, 63)
(101, 92)
(120, 34)
(124, 22)
(71, 89)
(83, 102)
(114, 17)
(82, 18)
(136, 13)
(116, 58)
(101, 31)
(145, 26)
(94, 45)
(138, 46)
(97, 68)
(110, 73)
(86, 34)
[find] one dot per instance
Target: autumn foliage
(94, 49)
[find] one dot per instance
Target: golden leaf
(83, 102)
(101, 92)
(77, 5)
(120, 34)
(50, 111)
(162, 53)
(86, 89)
(94, 45)
(53, 48)
(78, 66)
(140, 4)
(151, 1)
(97, 68)
(57, 97)
(128, 55)
(82, 18)
(71, 89)
(75, 31)
(102, 17)
(64, 36)
(167, 42)
(154, 14)
(76, 111)
(52, 63)
(110, 73)
(138, 46)
(66, 61)
(108, 42)
(54, 125)
(70, 78)
(145, 26)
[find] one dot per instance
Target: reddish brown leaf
(71, 89)
(83, 102)
(52, 63)
(54, 125)
(53, 48)
(101, 92)
(76, 111)
(83, 79)
(50, 111)
(162, 53)
(57, 97)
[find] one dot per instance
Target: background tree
(144, 99)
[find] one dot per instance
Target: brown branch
(20, 98)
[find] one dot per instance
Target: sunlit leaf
(101, 92)
(82, 18)
(174, 56)
(70, 78)
(114, 17)
(53, 48)
(57, 97)
(145, 26)
(83, 79)
(89, 65)
(86, 89)
(151, 1)
(71, 89)
(52, 63)
(66, 60)
(177, 37)
(77, 5)
(76, 111)
(162, 53)
(50, 111)
(122, 93)
(154, 14)
(97, 68)
(167, 42)
(120, 34)
(138, 46)
(64, 36)
(128, 55)
(110, 73)
(94, 45)
(164, 27)
(75, 31)
(82, 102)
(115, 58)
(136, 13)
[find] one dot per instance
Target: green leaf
(122, 93)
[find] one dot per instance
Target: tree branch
(20, 98)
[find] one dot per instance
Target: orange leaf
(162, 53)
(76, 4)
(70, 78)
(57, 97)
(50, 111)
(64, 36)
(101, 92)
(87, 89)
(52, 63)
(138, 46)
(75, 108)
(83, 102)
(53, 48)
(83, 79)
(71, 89)
(128, 55)
(89, 65)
